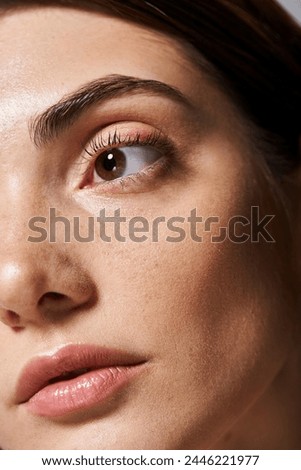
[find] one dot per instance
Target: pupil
(110, 165)
(109, 162)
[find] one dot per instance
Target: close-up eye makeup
(150, 204)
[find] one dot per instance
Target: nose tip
(36, 292)
(20, 284)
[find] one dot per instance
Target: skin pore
(216, 323)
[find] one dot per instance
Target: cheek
(204, 311)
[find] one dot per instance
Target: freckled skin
(217, 322)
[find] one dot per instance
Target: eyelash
(154, 138)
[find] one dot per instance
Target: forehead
(53, 50)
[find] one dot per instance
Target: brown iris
(110, 165)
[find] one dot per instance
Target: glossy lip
(73, 378)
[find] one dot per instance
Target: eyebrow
(48, 125)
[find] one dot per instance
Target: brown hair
(253, 45)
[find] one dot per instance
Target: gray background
(293, 6)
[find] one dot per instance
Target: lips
(74, 378)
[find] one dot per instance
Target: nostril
(54, 296)
(14, 318)
(11, 318)
(53, 304)
(51, 297)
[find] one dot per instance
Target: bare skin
(216, 323)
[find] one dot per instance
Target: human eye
(127, 158)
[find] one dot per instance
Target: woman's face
(202, 326)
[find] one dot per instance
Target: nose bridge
(20, 258)
(22, 199)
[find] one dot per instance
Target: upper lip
(71, 358)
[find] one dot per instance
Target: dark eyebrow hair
(50, 123)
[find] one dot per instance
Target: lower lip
(80, 393)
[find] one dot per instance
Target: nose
(39, 282)
(42, 285)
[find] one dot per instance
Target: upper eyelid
(115, 139)
(103, 143)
